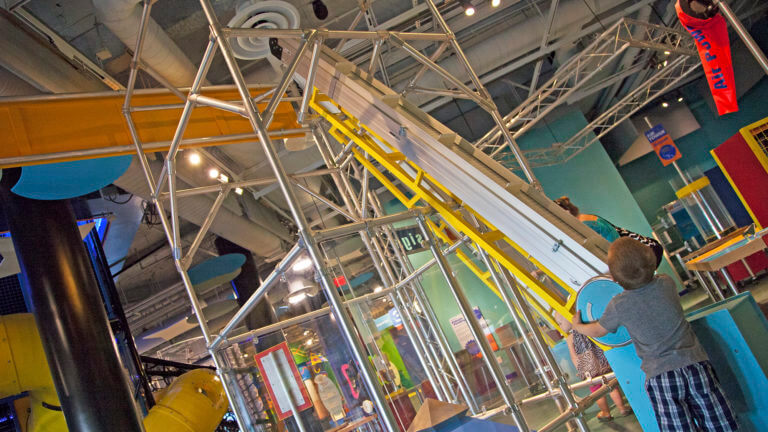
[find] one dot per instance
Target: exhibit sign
(411, 239)
(464, 335)
(282, 379)
(663, 145)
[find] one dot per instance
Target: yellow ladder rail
(345, 127)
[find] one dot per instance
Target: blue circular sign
(592, 300)
(667, 152)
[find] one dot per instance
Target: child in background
(590, 361)
(680, 381)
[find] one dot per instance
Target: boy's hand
(593, 329)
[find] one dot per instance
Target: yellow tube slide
(194, 402)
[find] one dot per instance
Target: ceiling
(503, 44)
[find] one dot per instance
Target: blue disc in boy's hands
(592, 300)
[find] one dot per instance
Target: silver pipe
(445, 348)
(289, 395)
(520, 302)
(347, 196)
(575, 386)
(242, 419)
(175, 234)
(217, 103)
(422, 332)
(365, 224)
(715, 286)
(160, 79)
(519, 156)
(474, 327)
(423, 69)
(244, 310)
(351, 27)
(729, 281)
(342, 316)
(309, 88)
(189, 105)
(325, 201)
(287, 78)
(136, 53)
(330, 34)
(242, 183)
(374, 55)
(424, 60)
(532, 351)
(743, 34)
(187, 261)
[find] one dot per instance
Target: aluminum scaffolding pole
(347, 196)
(343, 317)
(474, 327)
(753, 48)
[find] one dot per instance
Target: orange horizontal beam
(52, 125)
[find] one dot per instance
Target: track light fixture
(320, 9)
(194, 158)
(469, 10)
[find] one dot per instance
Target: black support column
(57, 278)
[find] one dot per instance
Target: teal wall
(590, 179)
(649, 180)
(440, 297)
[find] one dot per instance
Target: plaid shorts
(690, 399)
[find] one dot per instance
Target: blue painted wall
(649, 180)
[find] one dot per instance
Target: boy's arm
(593, 329)
(572, 350)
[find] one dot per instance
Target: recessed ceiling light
(469, 10)
(239, 191)
(680, 99)
(665, 104)
(194, 158)
(495, 3)
(213, 173)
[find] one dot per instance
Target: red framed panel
(282, 412)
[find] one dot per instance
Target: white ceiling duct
(270, 14)
(122, 17)
(237, 229)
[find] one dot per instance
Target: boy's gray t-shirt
(663, 339)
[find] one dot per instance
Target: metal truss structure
(580, 69)
(664, 79)
(675, 61)
(355, 151)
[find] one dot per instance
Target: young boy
(682, 386)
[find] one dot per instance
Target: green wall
(649, 180)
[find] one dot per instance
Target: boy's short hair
(632, 264)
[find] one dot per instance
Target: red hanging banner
(711, 36)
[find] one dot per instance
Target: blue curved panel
(592, 300)
(216, 271)
(66, 180)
